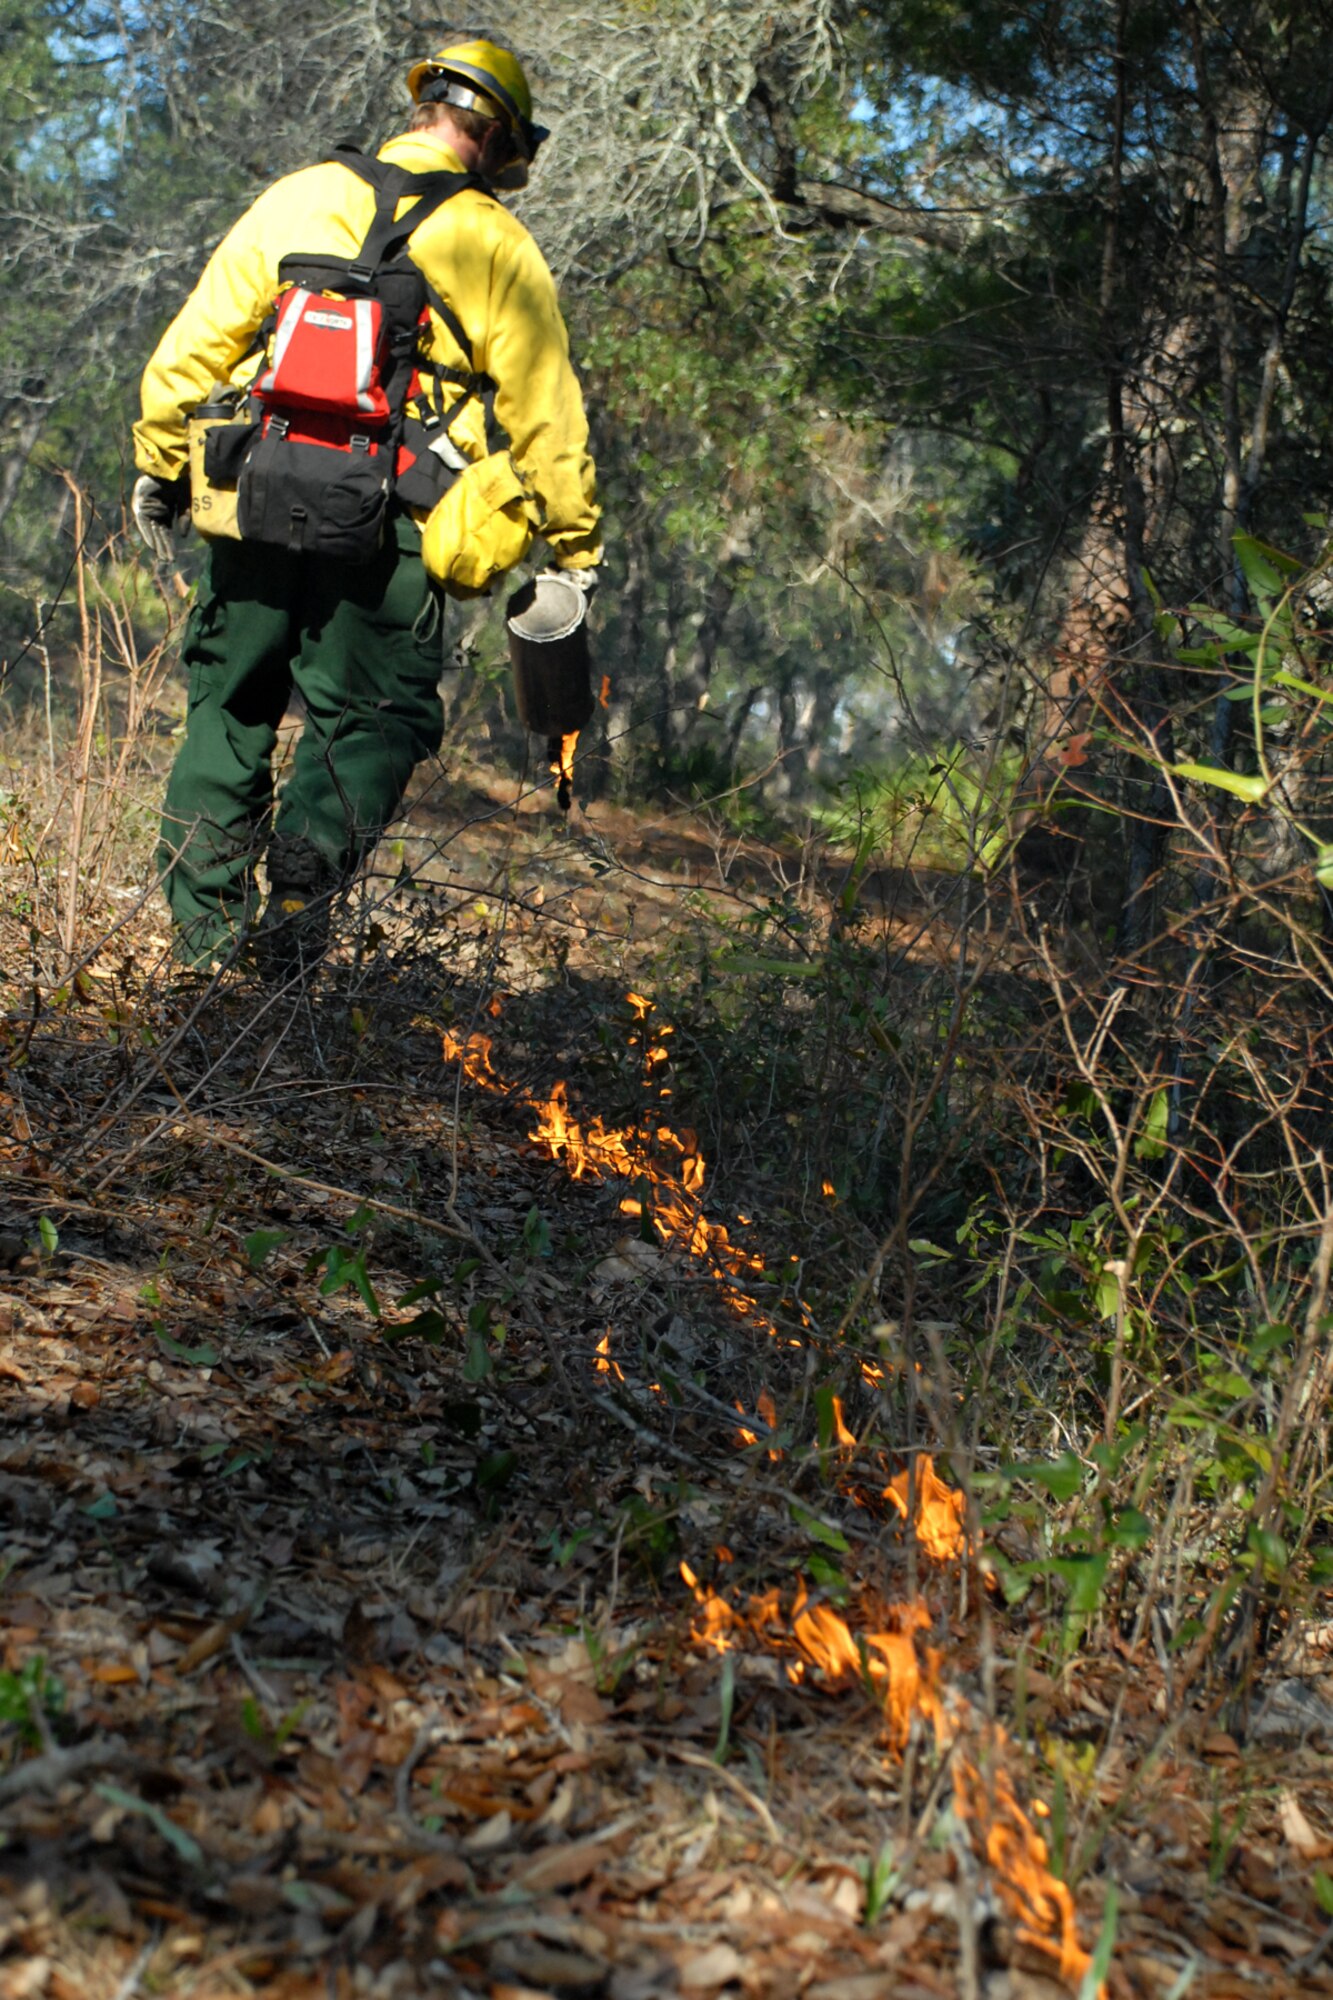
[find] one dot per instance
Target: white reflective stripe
(288, 320)
(365, 351)
(443, 447)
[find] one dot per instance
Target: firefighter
(359, 641)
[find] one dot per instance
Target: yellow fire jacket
(483, 262)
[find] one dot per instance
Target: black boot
(293, 933)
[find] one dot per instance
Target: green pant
(361, 644)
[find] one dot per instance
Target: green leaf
(1270, 1547)
(424, 1288)
(1233, 636)
(827, 1575)
(920, 1247)
(346, 1267)
(477, 1363)
(773, 968)
(197, 1357)
(429, 1326)
(1323, 1891)
(496, 1470)
(1264, 566)
(1094, 1979)
(103, 1508)
(1151, 1142)
(1323, 867)
(1130, 1529)
(726, 1702)
(824, 1395)
(49, 1235)
(820, 1531)
(189, 1850)
(1062, 1477)
(290, 1722)
(260, 1246)
(1085, 1576)
(536, 1233)
(1281, 678)
(1247, 785)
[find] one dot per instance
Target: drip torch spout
(560, 751)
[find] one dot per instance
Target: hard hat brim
(478, 78)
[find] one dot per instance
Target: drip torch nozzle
(560, 752)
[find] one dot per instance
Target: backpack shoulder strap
(392, 184)
(442, 309)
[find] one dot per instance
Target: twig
(56, 1767)
(90, 689)
(642, 1431)
(131, 1980)
(966, 1888)
(742, 1791)
(218, 1636)
(272, 1705)
(455, 1227)
(429, 1734)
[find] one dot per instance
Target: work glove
(157, 506)
(586, 579)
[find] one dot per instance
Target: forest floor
(424, 1574)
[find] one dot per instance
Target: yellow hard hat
(481, 76)
(479, 67)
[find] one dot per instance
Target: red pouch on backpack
(328, 354)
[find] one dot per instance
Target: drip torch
(546, 622)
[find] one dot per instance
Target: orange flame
(1039, 1903)
(840, 1431)
(888, 1661)
(562, 764)
(603, 1363)
(901, 1674)
(592, 1151)
(475, 1056)
(885, 1663)
(938, 1524)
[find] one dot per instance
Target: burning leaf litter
(894, 1665)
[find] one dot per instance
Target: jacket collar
(421, 154)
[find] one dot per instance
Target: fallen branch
(742, 1791)
(56, 1767)
(455, 1227)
